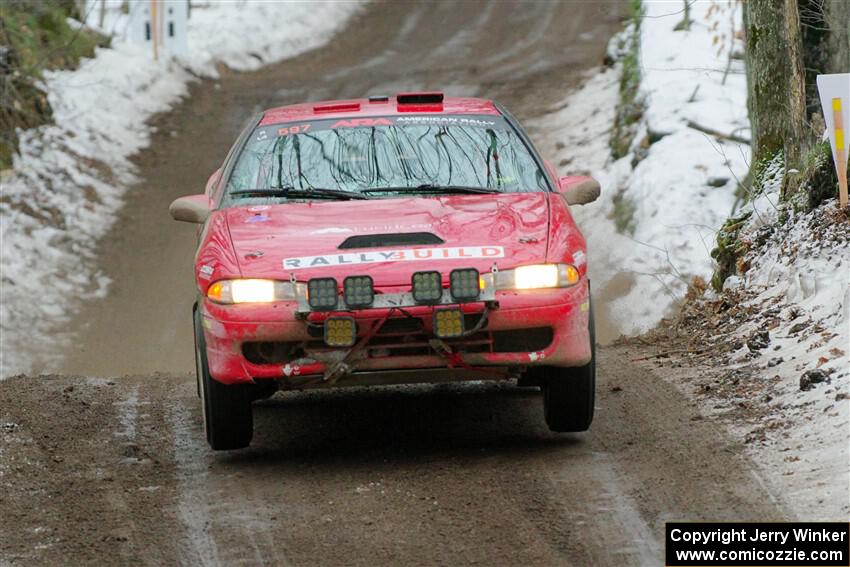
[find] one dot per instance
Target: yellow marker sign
(841, 156)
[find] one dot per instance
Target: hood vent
(383, 240)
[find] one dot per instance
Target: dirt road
(113, 470)
(116, 472)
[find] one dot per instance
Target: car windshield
(384, 157)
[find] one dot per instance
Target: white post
(834, 93)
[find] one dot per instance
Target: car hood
(304, 238)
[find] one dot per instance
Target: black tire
(197, 335)
(570, 393)
(228, 417)
(263, 389)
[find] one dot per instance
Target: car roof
(402, 103)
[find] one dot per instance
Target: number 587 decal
(297, 129)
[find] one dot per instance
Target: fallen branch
(667, 353)
(716, 134)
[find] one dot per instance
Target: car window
(399, 153)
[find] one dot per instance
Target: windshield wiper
(430, 188)
(293, 192)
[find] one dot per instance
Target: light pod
(465, 284)
(322, 294)
(448, 323)
(427, 287)
(358, 291)
(340, 331)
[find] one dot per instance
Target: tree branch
(717, 134)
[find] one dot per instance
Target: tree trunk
(837, 16)
(825, 33)
(797, 123)
(776, 82)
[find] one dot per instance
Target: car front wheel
(569, 393)
(228, 418)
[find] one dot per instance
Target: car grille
(405, 336)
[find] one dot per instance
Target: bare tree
(825, 32)
(837, 16)
(776, 82)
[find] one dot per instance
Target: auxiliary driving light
(358, 291)
(448, 323)
(322, 293)
(427, 287)
(465, 284)
(340, 331)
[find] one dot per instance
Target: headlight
(251, 291)
(537, 276)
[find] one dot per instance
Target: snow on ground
(674, 210)
(798, 280)
(771, 352)
(65, 187)
(796, 288)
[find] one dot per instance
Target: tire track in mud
(607, 528)
(85, 472)
(416, 475)
(191, 472)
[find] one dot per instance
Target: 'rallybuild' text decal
(395, 256)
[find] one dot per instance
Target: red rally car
(388, 240)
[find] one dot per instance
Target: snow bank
(677, 185)
(798, 280)
(772, 353)
(68, 182)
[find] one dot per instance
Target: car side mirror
(579, 189)
(192, 208)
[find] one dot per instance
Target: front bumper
(533, 316)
